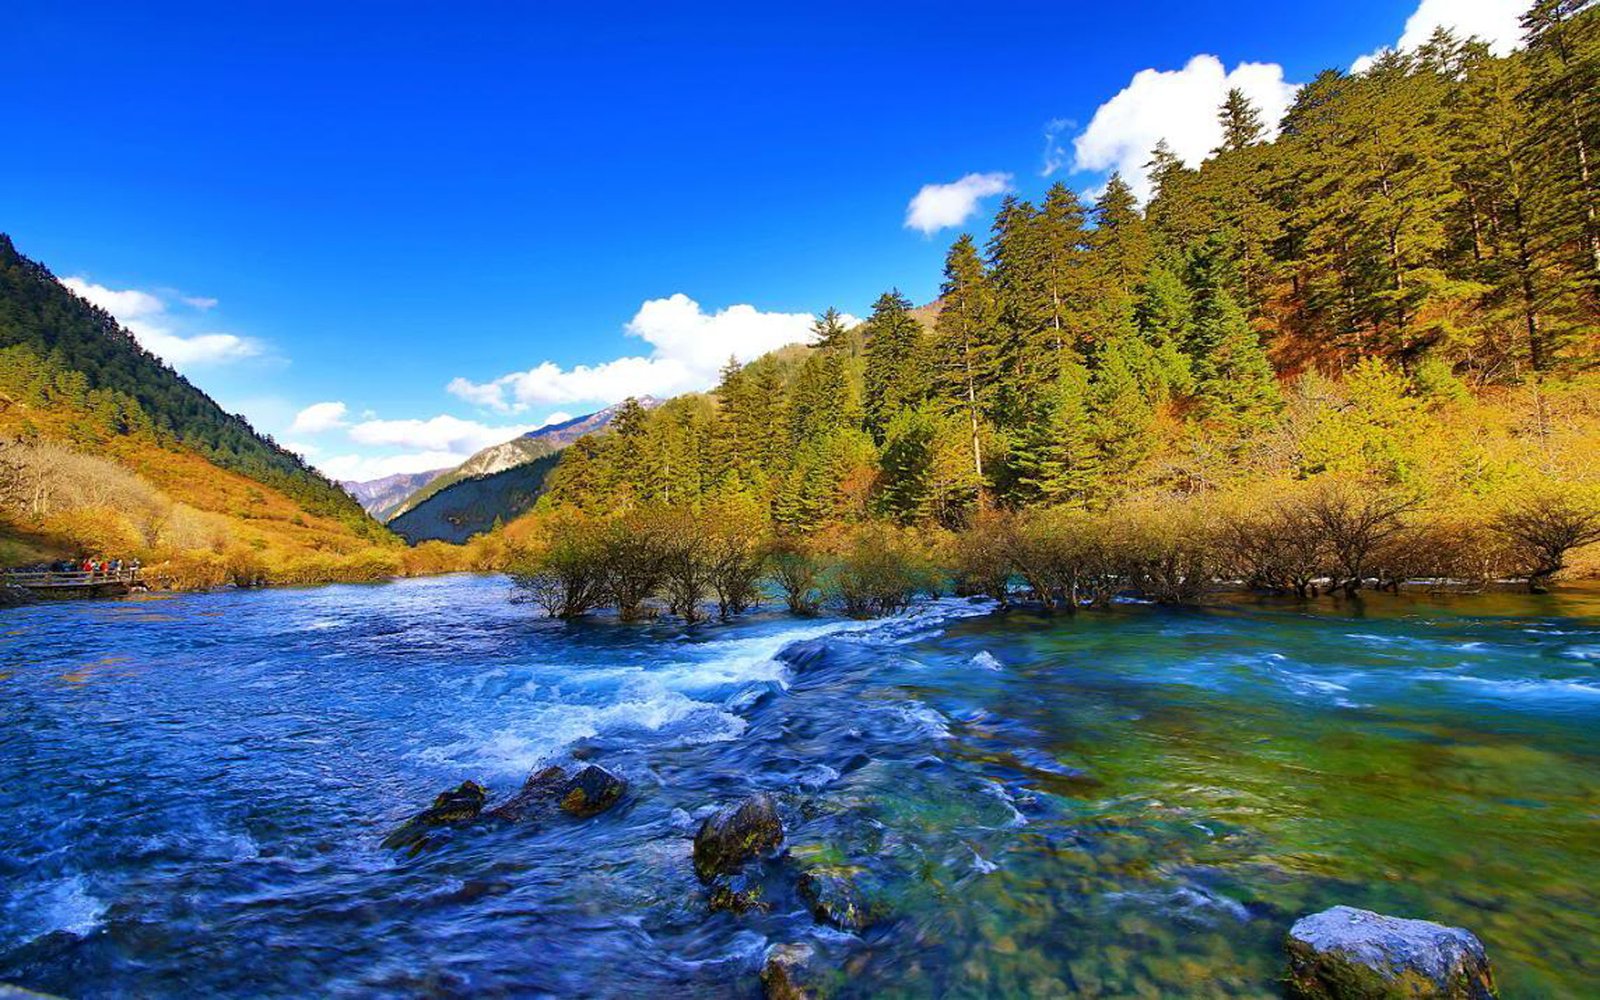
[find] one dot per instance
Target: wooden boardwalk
(75, 583)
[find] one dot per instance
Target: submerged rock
(588, 793)
(787, 973)
(836, 895)
(453, 808)
(9, 992)
(1350, 954)
(737, 894)
(735, 835)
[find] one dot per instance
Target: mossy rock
(788, 972)
(735, 835)
(841, 895)
(591, 792)
(1350, 954)
(453, 808)
(737, 894)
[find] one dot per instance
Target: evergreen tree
(1061, 246)
(1241, 122)
(1121, 409)
(829, 331)
(1563, 50)
(1121, 250)
(964, 348)
(896, 368)
(1164, 319)
(1053, 458)
(1234, 381)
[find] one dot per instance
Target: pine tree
(1234, 380)
(1177, 211)
(896, 369)
(1053, 458)
(1015, 268)
(1164, 317)
(1241, 122)
(1061, 247)
(1506, 216)
(1121, 248)
(965, 353)
(1563, 50)
(1122, 413)
(829, 331)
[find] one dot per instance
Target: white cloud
(392, 446)
(1179, 106)
(941, 206)
(318, 417)
(688, 347)
(1055, 154)
(441, 434)
(304, 449)
(361, 468)
(147, 317)
(1497, 22)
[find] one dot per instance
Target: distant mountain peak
(465, 500)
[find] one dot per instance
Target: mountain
(65, 333)
(380, 497)
(472, 506)
(519, 451)
(104, 450)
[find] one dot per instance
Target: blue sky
(388, 233)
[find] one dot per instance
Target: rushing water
(1133, 803)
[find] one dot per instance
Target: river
(1136, 802)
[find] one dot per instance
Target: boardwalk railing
(78, 579)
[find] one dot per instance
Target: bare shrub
(797, 572)
(1165, 550)
(880, 573)
(737, 559)
(685, 565)
(982, 556)
(1445, 549)
(632, 559)
(566, 578)
(1049, 549)
(1275, 544)
(1356, 519)
(1541, 526)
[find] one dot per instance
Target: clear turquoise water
(1133, 803)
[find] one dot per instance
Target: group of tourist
(96, 567)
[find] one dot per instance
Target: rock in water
(452, 808)
(735, 835)
(835, 895)
(737, 894)
(588, 793)
(591, 791)
(785, 973)
(541, 788)
(1350, 954)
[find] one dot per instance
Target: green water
(1248, 764)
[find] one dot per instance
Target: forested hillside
(471, 506)
(106, 452)
(131, 389)
(1394, 298)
